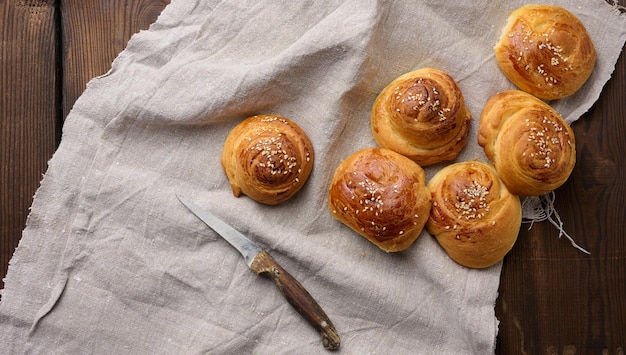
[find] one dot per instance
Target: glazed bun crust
(382, 196)
(474, 217)
(545, 51)
(531, 146)
(421, 115)
(268, 158)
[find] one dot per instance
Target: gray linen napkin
(111, 263)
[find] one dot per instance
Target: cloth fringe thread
(541, 208)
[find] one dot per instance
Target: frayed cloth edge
(541, 208)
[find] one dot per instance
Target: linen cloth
(112, 263)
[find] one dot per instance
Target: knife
(261, 262)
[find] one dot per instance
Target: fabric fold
(112, 263)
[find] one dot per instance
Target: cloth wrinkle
(47, 308)
(131, 270)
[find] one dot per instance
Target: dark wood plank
(50, 50)
(554, 299)
(94, 33)
(29, 111)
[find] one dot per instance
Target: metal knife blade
(261, 262)
(248, 249)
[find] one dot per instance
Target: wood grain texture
(93, 33)
(299, 298)
(554, 298)
(29, 114)
(50, 50)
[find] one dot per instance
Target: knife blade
(262, 263)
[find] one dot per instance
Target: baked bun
(530, 144)
(545, 51)
(421, 115)
(268, 158)
(382, 196)
(474, 217)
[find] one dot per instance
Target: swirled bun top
(545, 51)
(473, 217)
(268, 158)
(530, 144)
(382, 196)
(421, 115)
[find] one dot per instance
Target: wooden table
(553, 299)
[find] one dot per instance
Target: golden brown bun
(422, 116)
(268, 158)
(530, 144)
(474, 217)
(545, 51)
(381, 195)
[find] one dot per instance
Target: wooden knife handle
(298, 297)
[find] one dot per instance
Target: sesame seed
(545, 141)
(471, 201)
